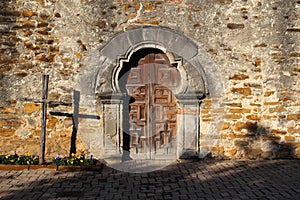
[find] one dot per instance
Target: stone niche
(100, 79)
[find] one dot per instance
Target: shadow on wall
(260, 143)
(75, 119)
(190, 180)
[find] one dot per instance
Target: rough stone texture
(248, 51)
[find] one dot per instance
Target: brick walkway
(278, 179)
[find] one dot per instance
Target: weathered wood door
(153, 109)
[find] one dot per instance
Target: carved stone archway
(197, 80)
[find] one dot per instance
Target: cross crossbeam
(51, 102)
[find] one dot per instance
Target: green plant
(73, 160)
(15, 159)
(27, 159)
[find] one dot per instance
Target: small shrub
(15, 159)
(73, 160)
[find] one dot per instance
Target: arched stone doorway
(103, 75)
(155, 106)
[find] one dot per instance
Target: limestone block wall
(253, 44)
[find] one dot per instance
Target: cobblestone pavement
(274, 179)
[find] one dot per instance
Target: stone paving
(273, 179)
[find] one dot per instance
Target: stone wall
(253, 44)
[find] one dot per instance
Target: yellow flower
(72, 154)
(27, 162)
(6, 157)
(81, 161)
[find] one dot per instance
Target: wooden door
(153, 110)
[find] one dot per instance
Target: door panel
(153, 111)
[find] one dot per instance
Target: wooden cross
(44, 101)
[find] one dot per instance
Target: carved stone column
(188, 126)
(112, 134)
